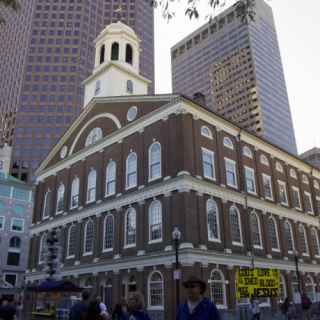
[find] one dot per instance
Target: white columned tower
(116, 69)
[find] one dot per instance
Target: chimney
(200, 98)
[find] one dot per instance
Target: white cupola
(116, 68)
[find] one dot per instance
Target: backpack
(306, 303)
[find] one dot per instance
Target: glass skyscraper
(58, 55)
(238, 68)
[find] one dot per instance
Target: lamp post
(296, 261)
(176, 236)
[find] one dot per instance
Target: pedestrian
(120, 311)
(197, 307)
(306, 306)
(7, 310)
(103, 307)
(136, 307)
(255, 309)
(285, 308)
(94, 311)
(79, 310)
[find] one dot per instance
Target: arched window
(94, 135)
(315, 242)
(310, 288)
(305, 179)
(129, 86)
(255, 230)
(131, 171)
(115, 51)
(246, 151)
(111, 178)
(129, 54)
(295, 285)
(88, 238)
(15, 243)
(289, 236)
(213, 221)
(293, 173)
(60, 198)
(46, 205)
(155, 221)
(71, 248)
(303, 240)
(283, 289)
(279, 167)
(235, 225)
(75, 188)
(227, 142)
(316, 184)
(206, 132)
(91, 186)
(130, 228)
(155, 161)
(155, 290)
(108, 233)
(273, 234)
(42, 248)
(218, 288)
(264, 160)
(102, 53)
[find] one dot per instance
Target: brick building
(132, 167)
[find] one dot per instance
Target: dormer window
(98, 87)
(94, 135)
(102, 53)
(129, 86)
(129, 54)
(115, 51)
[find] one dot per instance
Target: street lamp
(176, 236)
(296, 260)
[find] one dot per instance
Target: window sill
(305, 254)
(107, 250)
(237, 244)
(215, 240)
(221, 307)
(75, 207)
(59, 212)
(154, 179)
(275, 250)
(70, 257)
(129, 246)
(253, 193)
(18, 231)
(210, 178)
(131, 187)
(155, 241)
(87, 254)
(284, 204)
(90, 201)
(109, 195)
(311, 213)
(232, 186)
(270, 199)
(258, 247)
(160, 308)
(298, 209)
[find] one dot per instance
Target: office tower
(238, 68)
(59, 56)
(312, 156)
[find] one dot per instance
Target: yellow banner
(258, 283)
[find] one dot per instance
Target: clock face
(63, 152)
(132, 113)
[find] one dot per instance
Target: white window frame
(253, 213)
(218, 239)
(109, 194)
(234, 164)
(247, 152)
(277, 234)
(73, 194)
(279, 167)
(72, 256)
(224, 283)
(292, 238)
(92, 171)
(131, 245)
(266, 176)
(227, 142)
(284, 286)
(136, 170)
(296, 189)
(264, 160)
(305, 179)
(305, 254)
(42, 243)
(94, 136)
(11, 225)
(152, 204)
(313, 285)
(211, 154)
(308, 195)
(59, 196)
(44, 217)
(87, 253)
(3, 223)
(280, 182)
(251, 170)
(10, 274)
(316, 185)
(150, 307)
(206, 132)
(150, 164)
(314, 230)
(235, 243)
(293, 174)
(104, 249)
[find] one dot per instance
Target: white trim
(264, 160)
(41, 248)
(224, 283)
(104, 233)
(11, 274)
(218, 239)
(266, 176)
(103, 115)
(246, 168)
(308, 195)
(152, 204)
(149, 296)
(132, 153)
(92, 171)
(291, 235)
(43, 216)
(204, 134)
(315, 231)
(68, 243)
(111, 162)
(234, 164)
(131, 245)
(296, 189)
(17, 219)
(280, 182)
(227, 142)
(255, 246)
(307, 253)
(84, 252)
(211, 154)
(236, 243)
(76, 194)
(150, 164)
(58, 197)
(3, 223)
(293, 173)
(278, 249)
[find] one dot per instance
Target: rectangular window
(308, 202)
(296, 203)
(231, 174)
(208, 164)
(283, 198)
(250, 180)
(13, 258)
(267, 186)
(11, 279)
(46, 205)
(5, 191)
(318, 204)
(2, 222)
(17, 225)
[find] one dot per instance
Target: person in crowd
(255, 309)
(94, 311)
(197, 307)
(7, 310)
(80, 309)
(306, 306)
(120, 311)
(285, 308)
(136, 307)
(103, 307)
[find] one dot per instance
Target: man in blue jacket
(197, 307)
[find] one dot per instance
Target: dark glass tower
(238, 68)
(59, 56)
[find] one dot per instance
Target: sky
(298, 29)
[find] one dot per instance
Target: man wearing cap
(197, 307)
